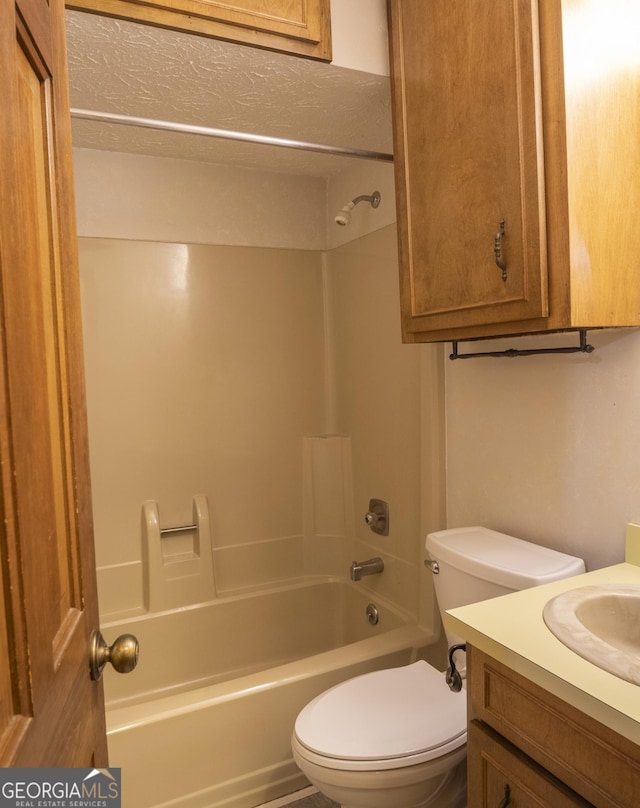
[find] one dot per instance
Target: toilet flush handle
(452, 677)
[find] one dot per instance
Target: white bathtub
(205, 720)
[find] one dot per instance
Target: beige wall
(542, 447)
(162, 199)
(548, 447)
(388, 398)
(204, 372)
(377, 383)
(210, 367)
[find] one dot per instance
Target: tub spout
(371, 567)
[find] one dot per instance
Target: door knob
(123, 654)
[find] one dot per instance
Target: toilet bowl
(397, 738)
(390, 739)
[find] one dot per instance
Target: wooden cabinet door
(500, 775)
(51, 713)
(301, 27)
(467, 118)
(592, 759)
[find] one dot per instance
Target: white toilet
(397, 738)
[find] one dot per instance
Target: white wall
(359, 35)
(548, 447)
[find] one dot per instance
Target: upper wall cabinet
(517, 132)
(300, 27)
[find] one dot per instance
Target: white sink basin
(602, 625)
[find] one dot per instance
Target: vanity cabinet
(516, 126)
(530, 746)
(300, 27)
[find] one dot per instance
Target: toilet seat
(383, 720)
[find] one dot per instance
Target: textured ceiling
(122, 67)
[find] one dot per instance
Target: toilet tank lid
(501, 559)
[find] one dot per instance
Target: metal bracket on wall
(583, 347)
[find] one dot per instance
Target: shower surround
(246, 375)
(242, 376)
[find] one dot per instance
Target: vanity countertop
(511, 629)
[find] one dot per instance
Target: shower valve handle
(377, 517)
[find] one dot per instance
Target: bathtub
(205, 720)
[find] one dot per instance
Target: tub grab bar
(167, 531)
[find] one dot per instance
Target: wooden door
(51, 713)
(468, 144)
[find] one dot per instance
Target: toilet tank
(475, 563)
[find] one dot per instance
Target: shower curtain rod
(226, 134)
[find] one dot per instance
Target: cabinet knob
(497, 251)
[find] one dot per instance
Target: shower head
(344, 217)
